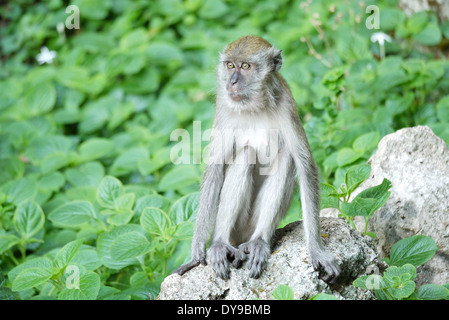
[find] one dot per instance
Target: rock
(416, 162)
(288, 265)
(440, 7)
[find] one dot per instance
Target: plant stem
(22, 248)
(11, 255)
(142, 262)
(387, 293)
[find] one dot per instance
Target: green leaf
(7, 241)
(185, 208)
(417, 22)
(94, 9)
(283, 292)
(82, 193)
(328, 201)
(366, 142)
(66, 254)
(151, 200)
(165, 54)
(89, 286)
(88, 258)
(72, 214)
(29, 278)
(184, 231)
(404, 290)
(119, 218)
(146, 81)
(408, 269)
(130, 245)
(127, 161)
(88, 174)
(368, 201)
(213, 9)
(13, 168)
(357, 207)
(134, 39)
(356, 175)
(54, 161)
(42, 263)
(125, 201)
(432, 292)
(430, 35)
(414, 250)
(324, 296)
(20, 190)
(178, 177)
(7, 294)
(443, 109)
(28, 219)
(52, 182)
(346, 156)
(41, 98)
(104, 245)
(155, 221)
(109, 190)
(95, 148)
(371, 282)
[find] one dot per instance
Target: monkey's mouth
(236, 96)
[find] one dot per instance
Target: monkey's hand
(220, 253)
(326, 260)
(259, 252)
(198, 257)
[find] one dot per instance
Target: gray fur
(238, 205)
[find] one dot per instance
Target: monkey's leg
(235, 199)
(271, 204)
(206, 216)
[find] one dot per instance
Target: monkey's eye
(229, 65)
(245, 66)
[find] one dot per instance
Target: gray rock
(288, 265)
(440, 7)
(416, 161)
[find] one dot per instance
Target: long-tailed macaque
(242, 197)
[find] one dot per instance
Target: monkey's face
(239, 75)
(245, 66)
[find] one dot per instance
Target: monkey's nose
(234, 78)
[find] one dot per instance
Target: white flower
(46, 56)
(380, 37)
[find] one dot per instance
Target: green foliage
(364, 204)
(283, 292)
(85, 140)
(397, 282)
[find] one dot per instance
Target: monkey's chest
(257, 147)
(256, 139)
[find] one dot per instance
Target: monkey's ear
(277, 60)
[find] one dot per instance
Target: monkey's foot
(326, 260)
(259, 251)
(219, 255)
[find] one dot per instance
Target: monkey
(240, 207)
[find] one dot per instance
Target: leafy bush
(364, 204)
(397, 282)
(85, 140)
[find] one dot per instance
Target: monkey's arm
(309, 185)
(206, 216)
